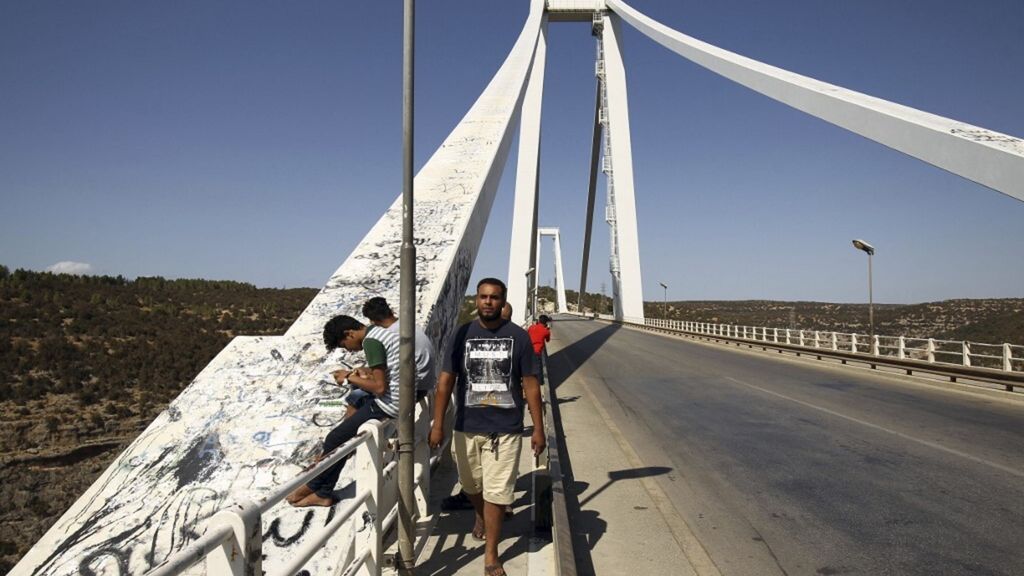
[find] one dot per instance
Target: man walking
(490, 361)
(540, 334)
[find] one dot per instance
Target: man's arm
(531, 386)
(442, 395)
(376, 384)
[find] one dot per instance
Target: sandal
(494, 570)
(456, 502)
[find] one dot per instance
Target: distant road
(783, 466)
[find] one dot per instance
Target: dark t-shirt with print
(489, 366)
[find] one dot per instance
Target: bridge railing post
(369, 464)
(853, 342)
(931, 350)
(775, 332)
(787, 336)
(874, 345)
(242, 553)
(967, 353)
(901, 351)
(1007, 358)
(835, 342)
(421, 489)
(801, 337)
(817, 339)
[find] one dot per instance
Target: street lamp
(664, 310)
(862, 245)
(531, 303)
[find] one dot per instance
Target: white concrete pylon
(524, 212)
(562, 304)
(629, 284)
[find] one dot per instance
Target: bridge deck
(780, 466)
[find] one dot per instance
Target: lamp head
(662, 284)
(862, 245)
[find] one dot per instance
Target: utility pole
(407, 311)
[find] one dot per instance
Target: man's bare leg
(478, 509)
(494, 516)
(299, 493)
(313, 500)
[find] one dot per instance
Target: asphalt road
(787, 466)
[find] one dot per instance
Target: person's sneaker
(456, 502)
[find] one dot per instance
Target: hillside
(86, 362)
(989, 320)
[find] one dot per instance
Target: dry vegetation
(86, 362)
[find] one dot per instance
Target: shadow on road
(587, 525)
(629, 474)
(561, 369)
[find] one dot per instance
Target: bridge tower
(612, 114)
(561, 303)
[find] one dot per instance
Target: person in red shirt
(539, 334)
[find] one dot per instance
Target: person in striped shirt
(379, 379)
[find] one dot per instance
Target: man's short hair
(544, 319)
(377, 309)
(336, 329)
(493, 282)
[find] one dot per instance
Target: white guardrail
(232, 544)
(1005, 357)
(998, 363)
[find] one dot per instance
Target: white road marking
(929, 444)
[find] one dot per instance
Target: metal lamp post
(531, 298)
(664, 309)
(870, 250)
(407, 310)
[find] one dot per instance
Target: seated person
(380, 314)
(379, 380)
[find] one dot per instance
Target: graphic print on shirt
(488, 369)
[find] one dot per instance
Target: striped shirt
(388, 401)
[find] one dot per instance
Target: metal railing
(232, 544)
(1001, 364)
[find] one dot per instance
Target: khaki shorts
(488, 466)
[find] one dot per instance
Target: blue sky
(259, 141)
